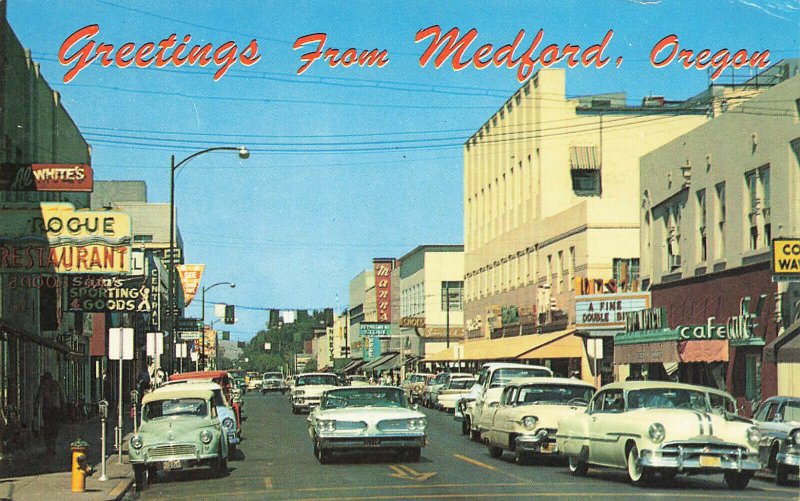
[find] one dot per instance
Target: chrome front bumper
(706, 458)
(790, 458)
(151, 456)
(536, 444)
(371, 443)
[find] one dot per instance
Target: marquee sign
(56, 238)
(46, 177)
(607, 311)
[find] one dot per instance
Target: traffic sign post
(120, 347)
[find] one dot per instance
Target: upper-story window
(758, 207)
(702, 243)
(721, 213)
(585, 170)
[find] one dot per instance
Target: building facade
(550, 208)
(711, 202)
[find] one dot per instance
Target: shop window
(752, 389)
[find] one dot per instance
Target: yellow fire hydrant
(80, 465)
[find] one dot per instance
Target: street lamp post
(203, 315)
(243, 154)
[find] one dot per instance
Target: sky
(347, 163)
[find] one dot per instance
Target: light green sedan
(180, 429)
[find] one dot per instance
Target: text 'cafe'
(714, 353)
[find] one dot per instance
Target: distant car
(433, 390)
(357, 381)
(663, 428)
(273, 381)
(526, 419)
(366, 418)
(453, 392)
(254, 383)
(180, 429)
(308, 389)
(414, 385)
(778, 420)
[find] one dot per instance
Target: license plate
(711, 461)
(372, 442)
(175, 464)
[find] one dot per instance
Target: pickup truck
(472, 410)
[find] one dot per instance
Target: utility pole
(447, 325)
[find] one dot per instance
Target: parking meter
(134, 397)
(102, 408)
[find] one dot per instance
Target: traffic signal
(230, 315)
(274, 318)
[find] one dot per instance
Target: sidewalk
(30, 474)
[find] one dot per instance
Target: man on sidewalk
(52, 401)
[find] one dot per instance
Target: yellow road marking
(408, 473)
(268, 482)
(473, 461)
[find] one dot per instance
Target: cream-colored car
(309, 387)
(661, 428)
(526, 418)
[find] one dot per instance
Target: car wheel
(577, 467)
(523, 458)
(232, 452)
(495, 452)
(323, 455)
(737, 481)
(221, 466)
(474, 434)
(781, 474)
(295, 410)
(638, 474)
(140, 476)
(465, 427)
(414, 454)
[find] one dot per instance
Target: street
(276, 461)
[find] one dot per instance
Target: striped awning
(559, 344)
(584, 157)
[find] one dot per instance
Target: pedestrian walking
(50, 399)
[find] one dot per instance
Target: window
(609, 401)
(702, 245)
(626, 273)
(455, 289)
(585, 170)
(721, 209)
(142, 238)
(752, 390)
(571, 267)
(562, 272)
(550, 270)
(673, 233)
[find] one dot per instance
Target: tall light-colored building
(711, 203)
(551, 195)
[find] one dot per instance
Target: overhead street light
(203, 315)
(244, 154)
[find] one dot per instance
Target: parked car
(273, 381)
(221, 378)
(453, 392)
(225, 413)
(526, 418)
(308, 389)
(414, 385)
(366, 418)
(778, 420)
(254, 383)
(664, 428)
(492, 377)
(180, 429)
(433, 390)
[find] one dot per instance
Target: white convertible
(526, 419)
(308, 389)
(654, 427)
(366, 418)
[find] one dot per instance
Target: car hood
(686, 424)
(369, 414)
(170, 429)
(453, 394)
(548, 414)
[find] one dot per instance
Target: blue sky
(347, 163)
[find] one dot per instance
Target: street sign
(120, 344)
(181, 350)
(785, 258)
(190, 335)
(188, 325)
(155, 344)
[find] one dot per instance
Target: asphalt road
(276, 462)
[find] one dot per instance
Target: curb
(120, 490)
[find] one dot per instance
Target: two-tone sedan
(366, 419)
(309, 387)
(526, 419)
(661, 428)
(180, 429)
(778, 420)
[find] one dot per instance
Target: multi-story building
(550, 211)
(431, 300)
(711, 202)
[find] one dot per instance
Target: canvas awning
(446, 355)
(389, 363)
(512, 348)
(715, 350)
(785, 348)
(371, 366)
(354, 365)
(561, 344)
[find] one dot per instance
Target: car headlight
(657, 432)
(299, 393)
(228, 423)
(206, 436)
(417, 423)
(137, 442)
(795, 436)
(753, 435)
(529, 422)
(326, 425)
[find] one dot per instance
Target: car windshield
(273, 375)
(175, 407)
(791, 412)
(555, 394)
(501, 377)
(363, 397)
(461, 384)
(417, 378)
(330, 380)
(667, 398)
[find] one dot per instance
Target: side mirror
(778, 418)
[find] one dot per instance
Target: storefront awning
(371, 366)
(785, 349)
(562, 344)
(716, 350)
(646, 353)
(389, 363)
(446, 355)
(354, 365)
